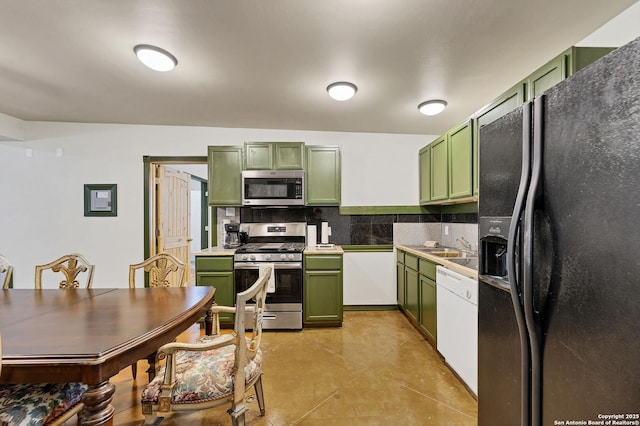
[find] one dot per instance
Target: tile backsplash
(385, 229)
(446, 233)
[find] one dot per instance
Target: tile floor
(375, 370)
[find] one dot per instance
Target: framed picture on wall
(101, 200)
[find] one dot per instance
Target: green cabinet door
(561, 67)
(274, 155)
(225, 170)
(322, 290)
(460, 168)
(258, 156)
(323, 176)
(400, 283)
(424, 157)
(412, 289)
(428, 308)
(547, 76)
(288, 155)
(508, 101)
(218, 272)
(439, 172)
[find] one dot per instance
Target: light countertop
(468, 272)
(220, 251)
(318, 250)
(215, 251)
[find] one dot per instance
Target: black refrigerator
(559, 239)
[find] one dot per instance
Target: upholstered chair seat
(49, 404)
(217, 369)
(203, 376)
(39, 404)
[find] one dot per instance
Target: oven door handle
(256, 265)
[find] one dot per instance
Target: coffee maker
(232, 235)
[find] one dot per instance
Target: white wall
(41, 197)
(617, 32)
(369, 278)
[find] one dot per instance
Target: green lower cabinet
(428, 312)
(416, 286)
(411, 289)
(400, 284)
(412, 294)
(218, 272)
(322, 290)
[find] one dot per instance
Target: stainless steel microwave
(273, 188)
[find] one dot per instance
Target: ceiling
(266, 63)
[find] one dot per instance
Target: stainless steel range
(280, 244)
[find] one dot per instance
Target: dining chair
(50, 404)
(71, 265)
(165, 270)
(217, 369)
(6, 269)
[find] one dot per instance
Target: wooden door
(173, 213)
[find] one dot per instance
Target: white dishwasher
(457, 303)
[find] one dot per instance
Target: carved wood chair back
(165, 270)
(6, 270)
(72, 266)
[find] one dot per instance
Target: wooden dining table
(89, 335)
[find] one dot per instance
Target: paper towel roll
(324, 233)
(312, 235)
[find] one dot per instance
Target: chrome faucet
(465, 244)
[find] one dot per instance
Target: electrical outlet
(446, 230)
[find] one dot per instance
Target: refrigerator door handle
(514, 234)
(527, 274)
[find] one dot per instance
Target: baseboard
(370, 307)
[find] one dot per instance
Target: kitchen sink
(469, 262)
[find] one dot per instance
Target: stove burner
(271, 248)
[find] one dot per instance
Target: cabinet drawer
(411, 261)
(323, 262)
(212, 263)
(400, 257)
(428, 269)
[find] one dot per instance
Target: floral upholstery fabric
(37, 404)
(202, 376)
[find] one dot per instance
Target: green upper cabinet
(439, 172)
(460, 159)
(225, 169)
(425, 174)
(577, 58)
(509, 101)
(546, 77)
(323, 175)
(274, 155)
(449, 167)
(561, 67)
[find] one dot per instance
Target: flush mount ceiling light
(155, 58)
(342, 90)
(432, 107)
